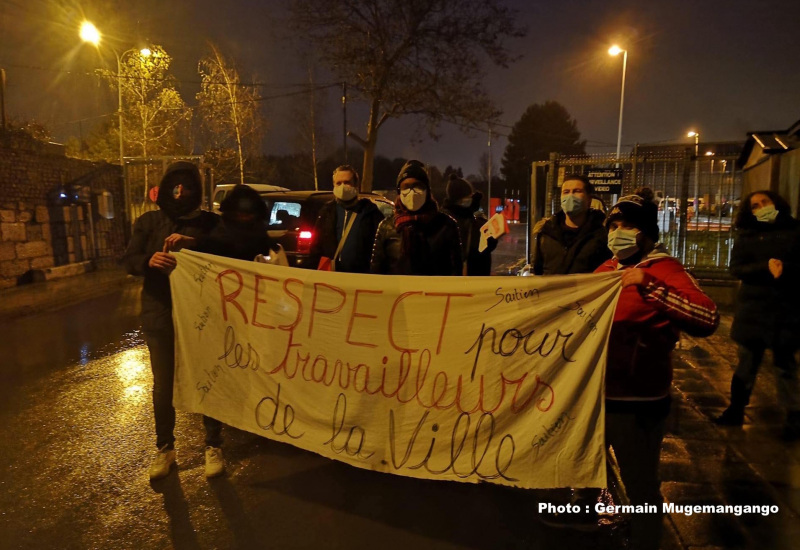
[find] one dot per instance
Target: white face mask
(766, 214)
(345, 193)
(571, 204)
(622, 243)
(413, 199)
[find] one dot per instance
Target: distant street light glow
(145, 52)
(615, 50)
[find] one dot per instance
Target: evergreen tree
(541, 130)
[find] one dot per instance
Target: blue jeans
(162, 360)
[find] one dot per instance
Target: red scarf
(403, 216)
(413, 239)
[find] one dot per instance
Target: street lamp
(696, 137)
(89, 33)
(616, 50)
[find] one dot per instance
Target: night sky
(720, 67)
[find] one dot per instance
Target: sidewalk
(51, 295)
(702, 463)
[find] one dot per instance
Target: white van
(222, 190)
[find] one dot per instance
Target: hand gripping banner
(495, 379)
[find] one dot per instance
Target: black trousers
(162, 361)
(635, 431)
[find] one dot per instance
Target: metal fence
(697, 198)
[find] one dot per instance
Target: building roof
(770, 142)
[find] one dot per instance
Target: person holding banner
(147, 255)
(658, 299)
(418, 239)
(462, 204)
(574, 239)
(345, 229)
(243, 231)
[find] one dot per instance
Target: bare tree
(311, 140)
(406, 57)
(155, 116)
(231, 120)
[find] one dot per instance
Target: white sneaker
(215, 464)
(162, 463)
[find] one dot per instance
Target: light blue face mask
(622, 243)
(766, 214)
(571, 204)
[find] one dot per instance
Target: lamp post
(616, 50)
(696, 137)
(89, 33)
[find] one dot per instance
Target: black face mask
(179, 207)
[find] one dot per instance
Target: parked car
(670, 204)
(221, 190)
(293, 214)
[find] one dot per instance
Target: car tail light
(304, 240)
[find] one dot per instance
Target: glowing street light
(614, 51)
(90, 34)
(696, 137)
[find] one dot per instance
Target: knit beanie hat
(458, 188)
(413, 169)
(637, 211)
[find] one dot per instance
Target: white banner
(496, 379)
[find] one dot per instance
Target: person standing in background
(766, 258)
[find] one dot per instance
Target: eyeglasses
(416, 189)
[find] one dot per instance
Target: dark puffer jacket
(148, 236)
(589, 248)
(357, 249)
(437, 251)
(767, 309)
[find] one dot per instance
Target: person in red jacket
(658, 300)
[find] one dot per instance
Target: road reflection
(131, 369)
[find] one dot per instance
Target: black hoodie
(236, 239)
(150, 231)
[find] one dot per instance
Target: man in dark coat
(350, 218)
(418, 239)
(462, 203)
(575, 239)
(147, 255)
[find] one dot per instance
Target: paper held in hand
(495, 227)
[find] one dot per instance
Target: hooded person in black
(147, 255)
(243, 231)
(462, 203)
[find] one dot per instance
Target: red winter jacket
(646, 326)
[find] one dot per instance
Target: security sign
(606, 180)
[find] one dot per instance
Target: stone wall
(35, 232)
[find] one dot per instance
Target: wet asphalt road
(75, 405)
